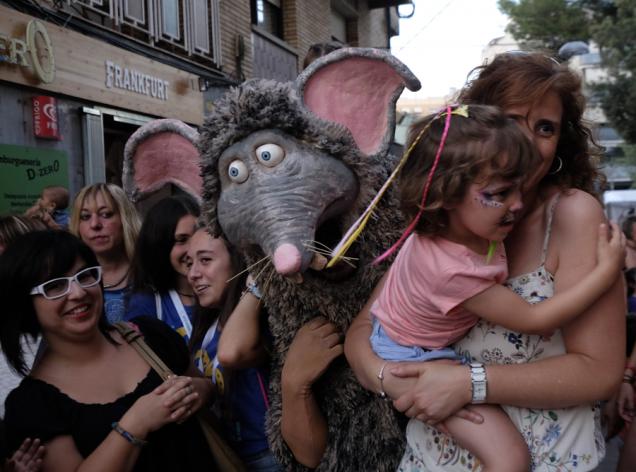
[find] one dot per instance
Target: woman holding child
(549, 250)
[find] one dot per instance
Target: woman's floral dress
(559, 440)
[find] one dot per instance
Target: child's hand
(28, 458)
(610, 249)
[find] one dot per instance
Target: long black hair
(151, 267)
(29, 261)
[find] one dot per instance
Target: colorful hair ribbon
(354, 231)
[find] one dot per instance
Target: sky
(443, 41)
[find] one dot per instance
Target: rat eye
(237, 172)
(270, 154)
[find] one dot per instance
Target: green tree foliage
(615, 34)
(546, 24)
(549, 24)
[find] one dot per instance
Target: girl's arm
(595, 341)
(240, 345)
(503, 307)
(303, 426)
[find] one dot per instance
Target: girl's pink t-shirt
(429, 279)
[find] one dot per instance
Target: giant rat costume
(288, 167)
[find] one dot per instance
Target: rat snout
(287, 259)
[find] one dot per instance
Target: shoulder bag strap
(225, 458)
(136, 340)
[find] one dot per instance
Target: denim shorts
(390, 350)
(262, 462)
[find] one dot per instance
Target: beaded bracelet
(128, 436)
(254, 290)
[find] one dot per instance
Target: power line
(439, 12)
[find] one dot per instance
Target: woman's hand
(314, 347)
(442, 389)
(28, 458)
(625, 402)
(181, 396)
(170, 402)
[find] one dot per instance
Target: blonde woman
(104, 218)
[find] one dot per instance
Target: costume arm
(504, 307)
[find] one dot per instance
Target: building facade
(78, 77)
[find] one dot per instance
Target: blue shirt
(242, 399)
(114, 304)
(61, 218)
(145, 304)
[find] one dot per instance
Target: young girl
(448, 274)
(227, 346)
(160, 286)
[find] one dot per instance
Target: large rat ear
(162, 152)
(358, 88)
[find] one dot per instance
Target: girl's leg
(495, 442)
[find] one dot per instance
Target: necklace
(119, 281)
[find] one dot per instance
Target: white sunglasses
(57, 288)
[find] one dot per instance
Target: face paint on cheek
(486, 201)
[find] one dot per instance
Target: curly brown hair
(520, 78)
(486, 141)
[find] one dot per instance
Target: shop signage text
(135, 81)
(36, 46)
(25, 171)
(45, 123)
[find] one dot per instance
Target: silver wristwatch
(479, 382)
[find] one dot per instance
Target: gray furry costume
(332, 164)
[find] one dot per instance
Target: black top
(37, 409)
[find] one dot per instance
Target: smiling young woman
(159, 271)
(91, 399)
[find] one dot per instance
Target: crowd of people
(509, 220)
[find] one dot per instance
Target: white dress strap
(548, 229)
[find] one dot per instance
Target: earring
(559, 167)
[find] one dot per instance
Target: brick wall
(235, 21)
(305, 22)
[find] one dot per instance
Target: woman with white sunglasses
(92, 400)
